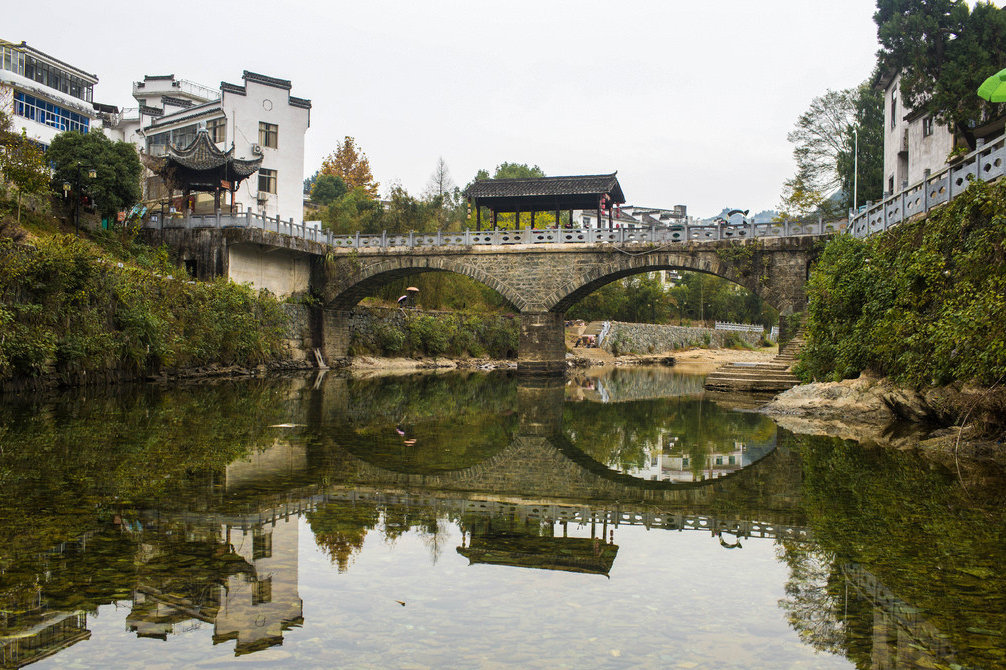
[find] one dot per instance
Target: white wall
(282, 272)
(924, 153)
(271, 105)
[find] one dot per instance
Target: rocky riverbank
(961, 421)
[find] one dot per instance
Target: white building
(915, 144)
(44, 95)
(631, 216)
(257, 118)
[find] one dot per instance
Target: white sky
(689, 101)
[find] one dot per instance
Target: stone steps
(771, 377)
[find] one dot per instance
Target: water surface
(616, 520)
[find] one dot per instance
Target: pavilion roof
(544, 193)
(201, 165)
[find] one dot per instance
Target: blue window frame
(48, 114)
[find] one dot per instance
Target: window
(894, 107)
(268, 134)
(48, 114)
(44, 73)
(217, 129)
(182, 137)
(262, 591)
(927, 126)
(266, 181)
(261, 545)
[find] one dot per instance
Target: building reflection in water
(234, 566)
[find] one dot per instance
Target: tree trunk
(968, 136)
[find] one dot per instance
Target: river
(478, 520)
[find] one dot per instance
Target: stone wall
(298, 331)
(648, 338)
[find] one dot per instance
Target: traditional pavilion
(202, 167)
(546, 194)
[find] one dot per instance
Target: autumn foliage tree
(351, 165)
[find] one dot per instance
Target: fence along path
(985, 163)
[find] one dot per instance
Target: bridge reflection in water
(537, 492)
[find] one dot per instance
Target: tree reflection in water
(183, 504)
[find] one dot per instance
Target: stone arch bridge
(540, 281)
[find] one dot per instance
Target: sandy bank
(698, 361)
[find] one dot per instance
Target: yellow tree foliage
(351, 165)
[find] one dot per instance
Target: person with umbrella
(410, 297)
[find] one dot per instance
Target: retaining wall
(648, 338)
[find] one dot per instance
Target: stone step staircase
(771, 377)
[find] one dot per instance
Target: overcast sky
(689, 101)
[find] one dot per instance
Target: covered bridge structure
(598, 192)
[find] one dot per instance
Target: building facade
(256, 118)
(915, 144)
(633, 216)
(46, 96)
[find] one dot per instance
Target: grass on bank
(74, 309)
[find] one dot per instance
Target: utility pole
(855, 172)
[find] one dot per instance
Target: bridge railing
(467, 238)
(985, 163)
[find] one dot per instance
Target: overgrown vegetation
(924, 303)
(69, 314)
(447, 334)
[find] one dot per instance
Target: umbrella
(993, 89)
(412, 288)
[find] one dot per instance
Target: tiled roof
(547, 186)
(202, 154)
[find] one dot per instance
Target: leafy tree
(824, 147)
(944, 51)
(868, 120)
(327, 188)
(799, 199)
(350, 164)
(517, 171)
(819, 137)
(356, 211)
(116, 185)
(309, 182)
(22, 163)
(404, 213)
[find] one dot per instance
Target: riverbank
(696, 361)
(961, 421)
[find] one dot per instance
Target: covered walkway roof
(546, 194)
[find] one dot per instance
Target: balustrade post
(357, 243)
(384, 239)
(925, 195)
(902, 206)
(440, 237)
(412, 241)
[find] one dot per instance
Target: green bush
(923, 303)
(733, 340)
(69, 312)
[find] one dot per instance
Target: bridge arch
(572, 292)
(351, 289)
